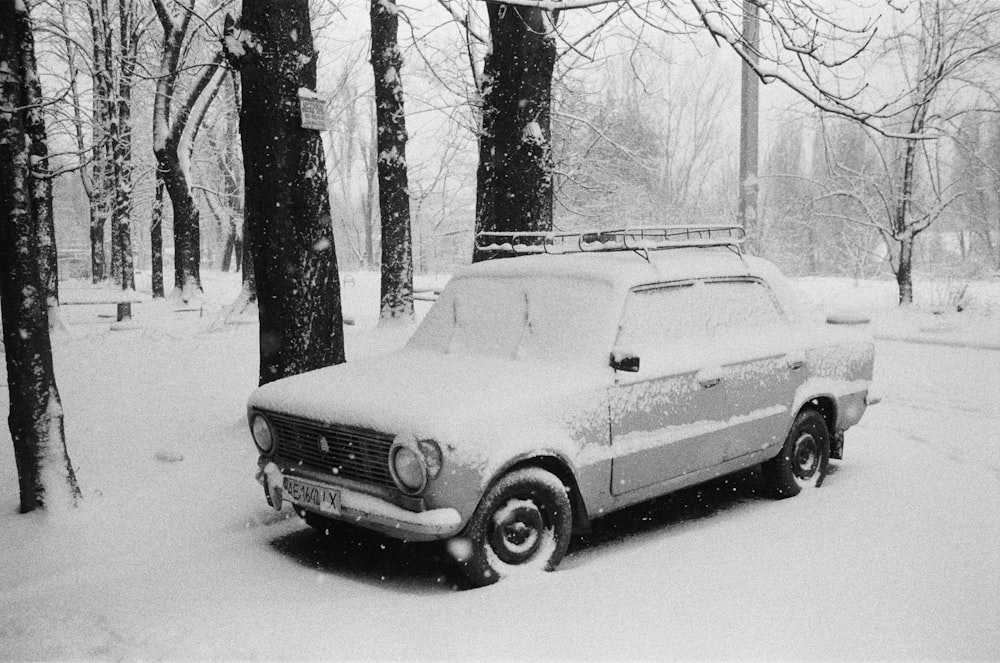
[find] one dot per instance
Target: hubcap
(517, 532)
(805, 457)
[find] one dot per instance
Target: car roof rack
(639, 239)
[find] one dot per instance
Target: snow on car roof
(624, 269)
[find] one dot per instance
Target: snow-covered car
(543, 391)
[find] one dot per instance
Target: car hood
(469, 404)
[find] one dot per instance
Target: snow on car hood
(479, 409)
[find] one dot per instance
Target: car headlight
(413, 462)
(262, 435)
(408, 469)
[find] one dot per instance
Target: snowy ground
(175, 554)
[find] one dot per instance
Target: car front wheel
(523, 522)
(804, 458)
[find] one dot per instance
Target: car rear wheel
(523, 522)
(804, 458)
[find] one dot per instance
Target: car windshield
(537, 318)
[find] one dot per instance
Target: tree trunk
(98, 268)
(40, 183)
(393, 187)
(187, 224)
(45, 474)
(102, 167)
(229, 249)
(485, 179)
(231, 169)
(904, 270)
(903, 232)
(122, 238)
(174, 159)
(288, 223)
(170, 149)
(514, 179)
(156, 237)
(368, 207)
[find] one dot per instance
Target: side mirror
(627, 363)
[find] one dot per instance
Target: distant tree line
(550, 146)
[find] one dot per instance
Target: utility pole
(749, 186)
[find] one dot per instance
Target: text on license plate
(324, 498)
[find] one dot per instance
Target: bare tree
(977, 176)
(515, 155)
(156, 237)
(287, 201)
(121, 146)
(101, 190)
(941, 53)
(171, 133)
(393, 185)
(40, 184)
(45, 474)
(803, 45)
(646, 143)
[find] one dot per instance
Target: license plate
(323, 498)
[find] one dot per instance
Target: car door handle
(708, 383)
(795, 364)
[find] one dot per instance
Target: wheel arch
(558, 466)
(827, 407)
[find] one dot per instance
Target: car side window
(657, 317)
(734, 306)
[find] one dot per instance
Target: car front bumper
(369, 511)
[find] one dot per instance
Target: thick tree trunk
(41, 184)
(45, 474)
(288, 222)
(393, 187)
(229, 249)
(170, 149)
(515, 171)
(187, 224)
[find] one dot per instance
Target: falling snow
(184, 560)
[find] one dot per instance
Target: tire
(804, 458)
(524, 522)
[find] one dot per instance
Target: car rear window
(658, 316)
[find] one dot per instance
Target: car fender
(558, 464)
(842, 402)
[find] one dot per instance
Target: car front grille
(349, 452)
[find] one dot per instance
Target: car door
(665, 416)
(760, 367)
